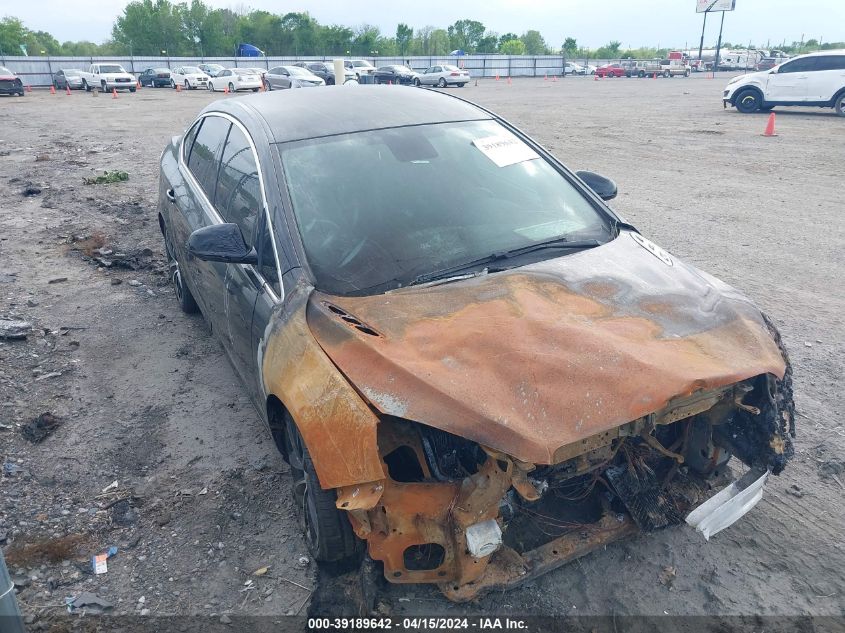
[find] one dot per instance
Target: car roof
(302, 114)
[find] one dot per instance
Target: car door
(200, 170)
(829, 76)
(433, 75)
(791, 81)
(240, 200)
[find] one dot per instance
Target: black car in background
(10, 83)
(395, 74)
(325, 71)
(68, 78)
(155, 77)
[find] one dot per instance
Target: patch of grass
(107, 177)
(91, 243)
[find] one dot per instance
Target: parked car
(155, 77)
(571, 68)
(635, 68)
(359, 67)
(395, 74)
(10, 83)
(67, 78)
(325, 71)
(210, 69)
(443, 75)
(302, 229)
(282, 77)
(107, 77)
(591, 70)
(189, 77)
(816, 79)
(610, 70)
(235, 79)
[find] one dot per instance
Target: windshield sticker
(505, 150)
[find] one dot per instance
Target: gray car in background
(325, 71)
(283, 77)
(67, 78)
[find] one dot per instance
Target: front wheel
(187, 85)
(86, 86)
(642, 74)
(173, 84)
(231, 87)
(132, 89)
(186, 300)
(442, 82)
(686, 73)
(328, 534)
(210, 87)
(666, 73)
(748, 101)
(461, 85)
(417, 82)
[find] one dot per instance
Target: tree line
(182, 29)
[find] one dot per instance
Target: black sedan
(395, 75)
(426, 307)
(325, 71)
(155, 77)
(68, 78)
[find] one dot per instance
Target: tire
(255, 89)
(442, 82)
(184, 298)
(329, 81)
(86, 86)
(327, 531)
(173, 84)
(686, 73)
(666, 73)
(839, 103)
(417, 82)
(132, 89)
(461, 85)
(187, 85)
(231, 87)
(103, 87)
(748, 101)
(210, 87)
(642, 74)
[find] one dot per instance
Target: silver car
(443, 75)
(282, 77)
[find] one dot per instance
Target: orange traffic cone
(178, 87)
(554, 78)
(596, 77)
(770, 126)
(138, 84)
(67, 90)
(114, 93)
(497, 76)
(28, 88)
(225, 90)
(389, 82)
(52, 90)
(509, 80)
(545, 77)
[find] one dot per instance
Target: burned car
(476, 370)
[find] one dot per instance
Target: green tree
(488, 44)
(404, 35)
(465, 35)
(366, 40)
(439, 43)
(507, 37)
(570, 47)
(512, 47)
(534, 43)
(12, 35)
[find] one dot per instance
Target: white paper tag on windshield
(505, 150)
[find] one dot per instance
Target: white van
(816, 79)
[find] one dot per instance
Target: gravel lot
(146, 397)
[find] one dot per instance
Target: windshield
(248, 71)
(106, 68)
(190, 70)
(71, 73)
(360, 64)
(448, 67)
(299, 72)
(378, 209)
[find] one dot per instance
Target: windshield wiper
(500, 255)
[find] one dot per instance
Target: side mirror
(221, 243)
(605, 188)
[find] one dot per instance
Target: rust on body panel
(337, 426)
(533, 360)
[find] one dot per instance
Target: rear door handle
(171, 195)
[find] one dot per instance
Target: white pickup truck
(107, 77)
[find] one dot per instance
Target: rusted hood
(529, 360)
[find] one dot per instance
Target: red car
(10, 83)
(610, 70)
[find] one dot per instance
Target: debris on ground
(57, 280)
(31, 190)
(107, 177)
(89, 602)
(46, 549)
(667, 576)
(99, 562)
(41, 427)
(14, 329)
(10, 469)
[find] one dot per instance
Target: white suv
(817, 79)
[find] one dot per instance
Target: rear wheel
(442, 82)
(417, 82)
(666, 73)
(183, 296)
(642, 74)
(210, 87)
(187, 85)
(748, 101)
(86, 86)
(686, 73)
(840, 103)
(231, 87)
(327, 530)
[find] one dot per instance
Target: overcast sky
(593, 23)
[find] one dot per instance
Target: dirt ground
(145, 397)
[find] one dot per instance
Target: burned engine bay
(472, 519)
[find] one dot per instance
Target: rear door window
(800, 65)
(238, 197)
(203, 160)
(831, 62)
